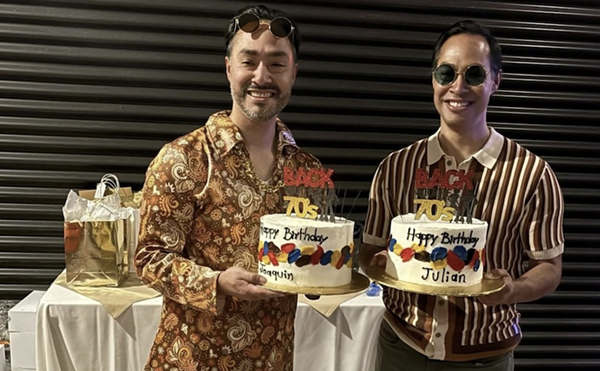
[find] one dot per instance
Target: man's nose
(460, 84)
(262, 75)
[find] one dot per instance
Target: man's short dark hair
(471, 28)
(266, 13)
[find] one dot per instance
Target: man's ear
(295, 71)
(497, 81)
(228, 68)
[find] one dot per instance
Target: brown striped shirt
(520, 198)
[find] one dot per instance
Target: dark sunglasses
(445, 74)
(279, 27)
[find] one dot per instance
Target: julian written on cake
(308, 246)
(442, 244)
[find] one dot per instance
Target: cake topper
(449, 196)
(304, 185)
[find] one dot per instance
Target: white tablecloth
(74, 333)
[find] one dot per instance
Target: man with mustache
(517, 194)
(202, 201)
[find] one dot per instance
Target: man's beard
(261, 113)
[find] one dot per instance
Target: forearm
(541, 279)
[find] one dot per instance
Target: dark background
(89, 87)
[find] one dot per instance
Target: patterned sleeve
(542, 231)
(171, 195)
(379, 213)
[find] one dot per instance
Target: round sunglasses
(446, 74)
(279, 26)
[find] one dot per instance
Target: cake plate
(359, 283)
(485, 287)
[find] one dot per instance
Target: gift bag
(128, 199)
(99, 236)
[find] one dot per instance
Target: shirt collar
(487, 155)
(225, 135)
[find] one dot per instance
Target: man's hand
(240, 283)
(379, 259)
(504, 296)
(542, 278)
(371, 256)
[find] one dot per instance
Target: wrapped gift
(99, 235)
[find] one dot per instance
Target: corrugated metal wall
(95, 86)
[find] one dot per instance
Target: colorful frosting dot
(288, 247)
(335, 257)
(346, 253)
(439, 253)
(455, 262)
(407, 254)
(423, 256)
(283, 258)
(461, 252)
(470, 254)
(304, 260)
(474, 259)
(315, 258)
(483, 257)
(438, 264)
(307, 250)
(340, 262)
(417, 247)
(294, 255)
(397, 249)
(273, 258)
(326, 258)
(392, 243)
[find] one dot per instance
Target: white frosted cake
(300, 252)
(436, 253)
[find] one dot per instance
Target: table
(74, 333)
(2, 358)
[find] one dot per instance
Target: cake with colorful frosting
(299, 252)
(436, 253)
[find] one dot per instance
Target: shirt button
(441, 302)
(438, 335)
(448, 162)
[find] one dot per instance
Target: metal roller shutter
(95, 86)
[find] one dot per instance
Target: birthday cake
(308, 246)
(299, 252)
(436, 252)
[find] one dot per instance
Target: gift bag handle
(110, 181)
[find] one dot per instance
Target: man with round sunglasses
(515, 191)
(202, 201)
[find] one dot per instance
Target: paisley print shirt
(200, 215)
